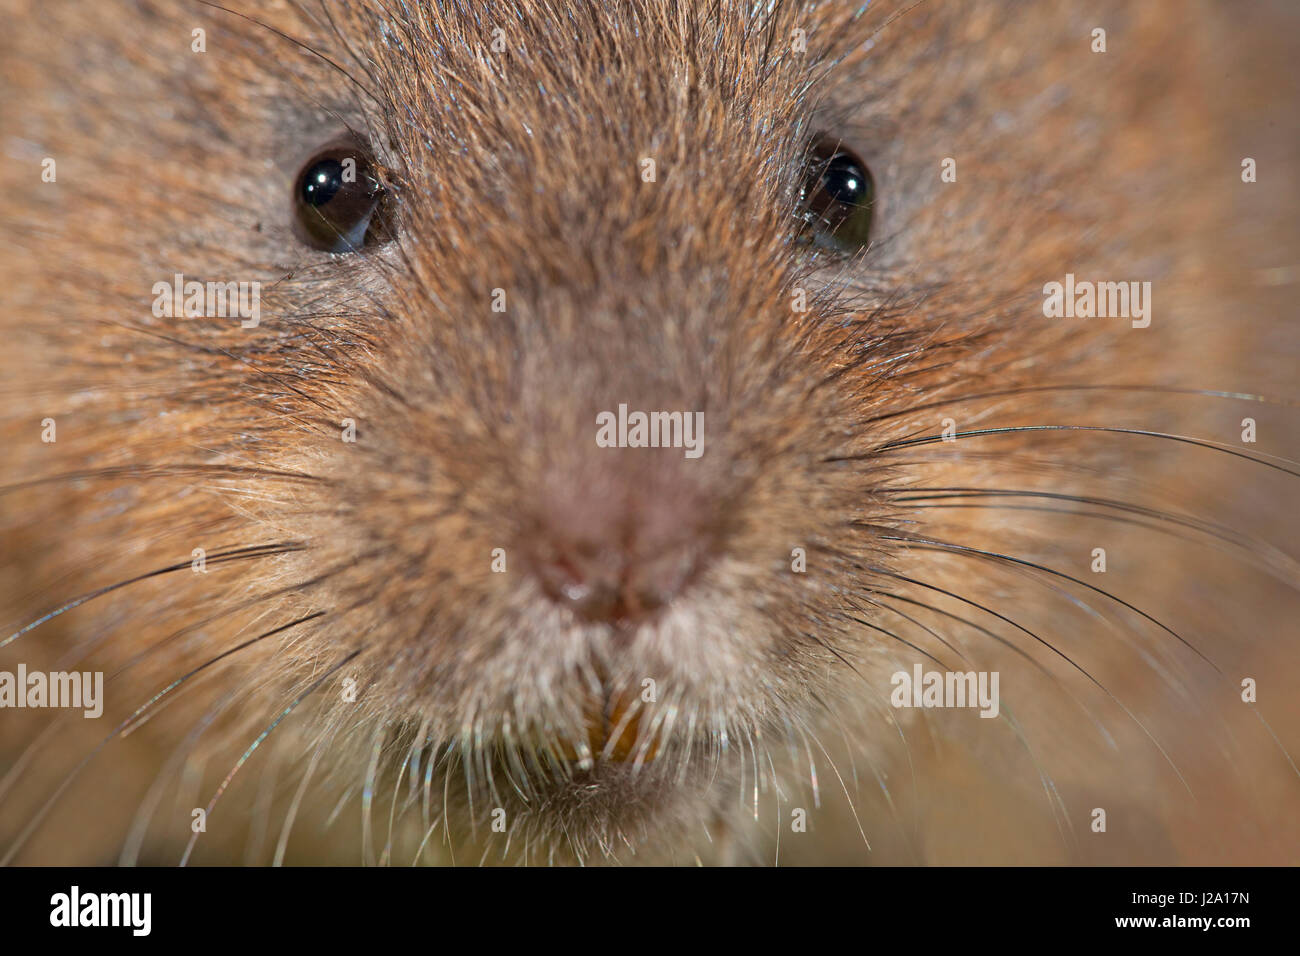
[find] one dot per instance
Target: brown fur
(519, 171)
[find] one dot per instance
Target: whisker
(1059, 653)
(928, 656)
(182, 756)
(1287, 573)
(844, 787)
(298, 43)
(129, 724)
(122, 729)
(237, 554)
(1059, 811)
(385, 858)
(217, 350)
(1031, 389)
(15, 771)
(368, 794)
(913, 621)
(911, 494)
(149, 472)
(1015, 429)
(282, 844)
(294, 588)
(258, 742)
(934, 544)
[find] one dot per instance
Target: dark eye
(838, 194)
(340, 203)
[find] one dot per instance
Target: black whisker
(1054, 650)
(936, 545)
(1008, 430)
(298, 43)
(148, 472)
(223, 557)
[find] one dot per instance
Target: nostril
(569, 579)
(614, 587)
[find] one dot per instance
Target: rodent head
(556, 267)
(563, 214)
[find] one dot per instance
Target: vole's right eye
(340, 202)
(838, 194)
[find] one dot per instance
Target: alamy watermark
(212, 300)
(651, 430)
(946, 689)
(1103, 300)
(83, 690)
(75, 908)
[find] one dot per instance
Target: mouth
(621, 722)
(617, 731)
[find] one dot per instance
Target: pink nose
(616, 534)
(615, 585)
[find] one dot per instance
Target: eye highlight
(339, 202)
(838, 195)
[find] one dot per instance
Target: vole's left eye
(838, 194)
(339, 202)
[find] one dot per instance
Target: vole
(549, 432)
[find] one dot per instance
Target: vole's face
(572, 453)
(523, 576)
